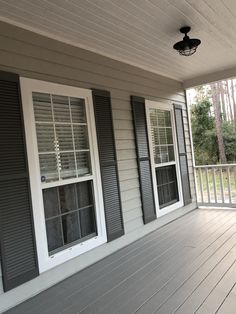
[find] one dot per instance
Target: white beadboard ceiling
(139, 32)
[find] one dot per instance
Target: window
(162, 138)
(163, 149)
(64, 170)
(63, 148)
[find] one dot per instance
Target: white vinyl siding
(41, 58)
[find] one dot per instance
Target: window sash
(62, 136)
(74, 200)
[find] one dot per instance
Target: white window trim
(45, 261)
(157, 105)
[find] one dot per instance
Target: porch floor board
(187, 266)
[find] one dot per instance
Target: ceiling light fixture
(187, 46)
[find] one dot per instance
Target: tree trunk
(228, 94)
(218, 121)
(229, 101)
(234, 101)
(220, 88)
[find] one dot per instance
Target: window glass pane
(85, 194)
(78, 110)
(83, 163)
(61, 108)
(171, 153)
(67, 165)
(173, 191)
(167, 118)
(153, 117)
(45, 137)
(64, 137)
(166, 194)
(171, 173)
(42, 107)
(163, 174)
(87, 221)
(67, 198)
(169, 136)
(157, 155)
(81, 137)
(162, 136)
(155, 136)
(160, 117)
(54, 234)
(48, 167)
(71, 230)
(161, 199)
(50, 201)
(167, 185)
(164, 154)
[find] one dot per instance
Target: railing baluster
(234, 183)
(214, 183)
(222, 186)
(207, 184)
(201, 189)
(229, 185)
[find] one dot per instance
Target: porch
(187, 266)
(81, 65)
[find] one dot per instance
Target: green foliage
(229, 136)
(204, 135)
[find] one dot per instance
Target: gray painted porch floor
(187, 266)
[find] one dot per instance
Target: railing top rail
(216, 166)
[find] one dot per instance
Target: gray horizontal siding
(41, 58)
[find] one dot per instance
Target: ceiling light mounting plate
(185, 29)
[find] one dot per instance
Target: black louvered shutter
(182, 154)
(17, 243)
(143, 157)
(108, 164)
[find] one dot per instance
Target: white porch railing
(216, 185)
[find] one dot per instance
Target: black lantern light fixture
(187, 46)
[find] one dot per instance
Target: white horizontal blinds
(62, 136)
(162, 137)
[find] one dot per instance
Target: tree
(234, 102)
(229, 136)
(213, 117)
(218, 121)
(203, 131)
